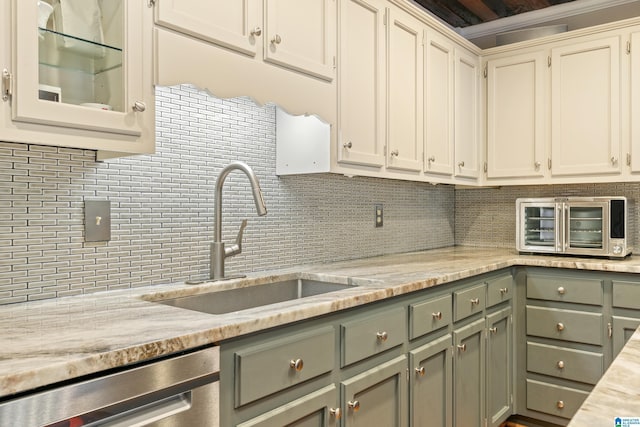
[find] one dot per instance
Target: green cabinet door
(468, 373)
(499, 366)
(317, 409)
(376, 397)
(623, 328)
(430, 384)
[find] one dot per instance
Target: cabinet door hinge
(7, 84)
(609, 330)
(486, 70)
(629, 48)
(628, 159)
(548, 61)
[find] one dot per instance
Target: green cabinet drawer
(568, 325)
(626, 294)
(566, 289)
(429, 316)
(274, 366)
(499, 290)
(469, 301)
(567, 363)
(373, 334)
(554, 400)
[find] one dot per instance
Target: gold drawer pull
(437, 315)
(462, 348)
(336, 413)
(560, 404)
(354, 405)
(296, 364)
(493, 330)
(382, 336)
(504, 291)
(560, 364)
(475, 301)
(562, 290)
(560, 327)
(421, 371)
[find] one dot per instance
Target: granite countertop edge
(46, 342)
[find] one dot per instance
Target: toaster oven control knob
(617, 249)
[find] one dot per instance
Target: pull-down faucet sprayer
(218, 250)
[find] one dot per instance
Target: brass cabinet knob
(560, 326)
(420, 371)
(493, 330)
(395, 153)
(256, 32)
(139, 106)
(382, 336)
(475, 301)
(354, 405)
(560, 404)
(336, 413)
(437, 315)
(560, 364)
(562, 290)
(296, 364)
(347, 145)
(504, 291)
(276, 39)
(462, 348)
(461, 164)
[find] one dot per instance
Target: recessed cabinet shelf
(59, 50)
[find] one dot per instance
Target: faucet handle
(236, 248)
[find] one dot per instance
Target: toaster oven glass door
(586, 228)
(540, 230)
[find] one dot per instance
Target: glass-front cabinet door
(81, 64)
(586, 227)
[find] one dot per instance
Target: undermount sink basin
(227, 301)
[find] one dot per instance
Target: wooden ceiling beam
(480, 9)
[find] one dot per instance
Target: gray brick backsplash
(162, 207)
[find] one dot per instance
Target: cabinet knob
(493, 330)
(296, 364)
(562, 290)
(560, 404)
(461, 164)
(475, 301)
(395, 153)
(537, 165)
(347, 145)
(462, 348)
(276, 39)
(614, 160)
(382, 336)
(420, 371)
(560, 326)
(336, 413)
(256, 32)
(354, 405)
(139, 106)
(504, 291)
(560, 364)
(431, 159)
(437, 315)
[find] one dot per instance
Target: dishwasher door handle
(147, 414)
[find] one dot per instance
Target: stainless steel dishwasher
(175, 392)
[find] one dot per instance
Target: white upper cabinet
(585, 108)
(232, 24)
(634, 152)
(295, 34)
(80, 77)
(361, 82)
(467, 131)
(439, 104)
(517, 88)
(405, 91)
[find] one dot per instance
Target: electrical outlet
(378, 215)
(97, 220)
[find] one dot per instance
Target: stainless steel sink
(227, 301)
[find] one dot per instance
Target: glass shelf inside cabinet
(59, 50)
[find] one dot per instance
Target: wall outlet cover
(97, 220)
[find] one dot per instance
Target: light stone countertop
(56, 340)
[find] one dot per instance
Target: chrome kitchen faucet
(218, 250)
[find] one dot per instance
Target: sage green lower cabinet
(499, 366)
(621, 330)
(430, 384)
(626, 316)
(317, 409)
(376, 397)
(469, 373)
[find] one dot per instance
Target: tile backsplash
(162, 207)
